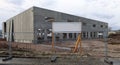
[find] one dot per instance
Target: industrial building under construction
(35, 24)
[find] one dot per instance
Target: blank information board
(66, 27)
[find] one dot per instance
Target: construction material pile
(3, 45)
(114, 39)
(1, 39)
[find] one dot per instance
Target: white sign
(66, 27)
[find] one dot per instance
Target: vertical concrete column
(45, 34)
(54, 37)
(97, 35)
(41, 34)
(73, 36)
(35, 36)
(85, 35)
(89, 35)
(76, 35)
(3, 35)
(93, 35)
(61, 36)
(67, 35)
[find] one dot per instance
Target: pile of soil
(1, 39)
(114, 39)
(3, 45)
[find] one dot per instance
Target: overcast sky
(102, 10)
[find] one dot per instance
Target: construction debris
(114, 39)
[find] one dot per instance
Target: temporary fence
(24, 45)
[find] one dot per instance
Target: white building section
(66, 27)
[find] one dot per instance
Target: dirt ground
(95, 48)
(92, 52)
(91, 47)
(59, 61)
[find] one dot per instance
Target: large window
(101, 26)
(94, 25)
(91, 34)
(70, 35)
(64, 35)
(84, 35)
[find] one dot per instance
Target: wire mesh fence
(30, 45)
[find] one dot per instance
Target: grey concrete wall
(90, 23)
(40, 14)
(41, 23)
(90, 29)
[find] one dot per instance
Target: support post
(53, 42)
(9, 42)
(106, 48)
(73, 36)
(106, 44)
(77, 43)
(45, 34)
(67, 35)
(10, 39)
(61, 36)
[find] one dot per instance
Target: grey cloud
(104, 16)
(116, 27)
(50, 3)
(16, 2)
(103, 10)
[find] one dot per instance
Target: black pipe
(8, 58)
(108, 61)
(53, 59)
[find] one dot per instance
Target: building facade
(35, 24)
